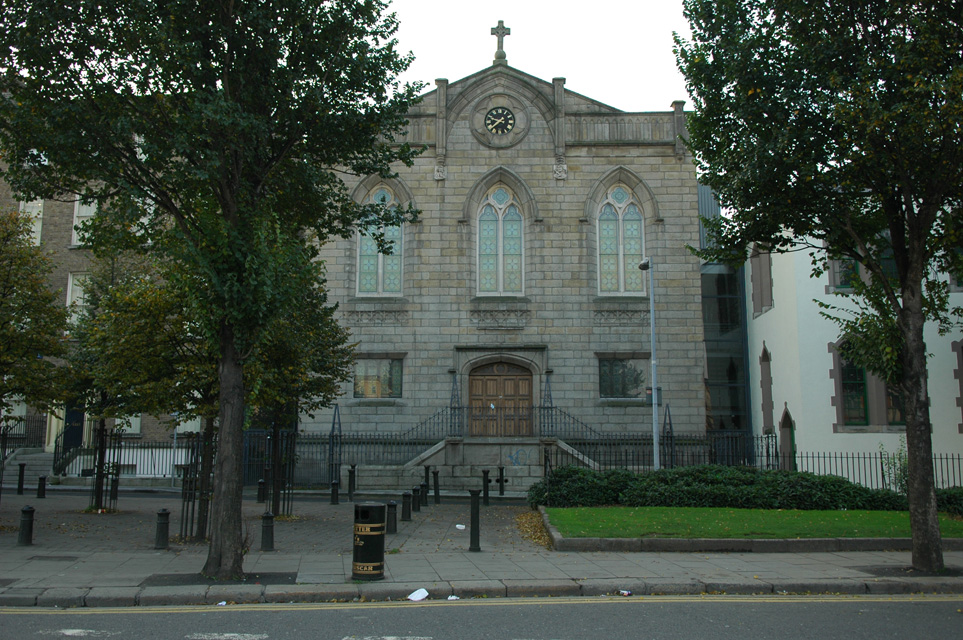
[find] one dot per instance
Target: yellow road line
(490, 602)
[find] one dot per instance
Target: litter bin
(369, 542)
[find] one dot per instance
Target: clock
(500, 120)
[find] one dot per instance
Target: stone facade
(564, 155)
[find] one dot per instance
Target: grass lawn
(669, 522)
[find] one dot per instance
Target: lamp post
(646, 265)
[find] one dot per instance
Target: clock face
(500, 120)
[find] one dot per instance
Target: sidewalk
(81, 559)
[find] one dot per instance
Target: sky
(618, 52)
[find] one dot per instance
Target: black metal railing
(159, 459)
(876, 470)
(18, 432)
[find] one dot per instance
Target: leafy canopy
(32, 318)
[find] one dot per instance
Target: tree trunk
(921, 486)
(204, 486)
(225, 555)
(100, 463)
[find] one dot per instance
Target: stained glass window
(378, 378)
(620, 244)
(500, 245)
(379, 273)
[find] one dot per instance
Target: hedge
(720, 486)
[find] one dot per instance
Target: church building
(515, 310)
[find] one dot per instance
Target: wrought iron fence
(126, 457)
(22, 431)
(634, 452)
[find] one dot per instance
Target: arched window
(500, 255)
(378, 273)
(620, 243)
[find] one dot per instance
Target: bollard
(437, 493)
(391, 526)
(23, 470)
(26, 527)
(416, 498)
(501, 481)
(351, 483)
(473, 544)
(261, 490)
(485, 483)
(114, 489)
(369, 542)
(162, 534)
(42, 487)
(334, 492)
(424, 494)
(427, 472)
(267, 531)
(406, 506)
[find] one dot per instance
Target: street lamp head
(645, 264)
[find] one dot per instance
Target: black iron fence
(126, 457)
(877, 470)
(22, 431)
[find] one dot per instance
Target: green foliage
(709, 486)
(32, 319)
(214, 136)
(896, 467)
(950, 500)
(573, 486)
(837, 128)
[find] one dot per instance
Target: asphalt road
(657, 618)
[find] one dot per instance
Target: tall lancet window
(620, 244)
(500, 254)
(378, 273)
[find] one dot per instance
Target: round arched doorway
(500, 400)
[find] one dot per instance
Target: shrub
(715, 486)
(950, 500)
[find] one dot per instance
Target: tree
(216, 131)
(838, 128)
(151, 359)
(145, 355)
(32, 320)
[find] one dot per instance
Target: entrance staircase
(37, 464)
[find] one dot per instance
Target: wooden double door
(500, 400)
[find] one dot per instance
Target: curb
(235, 595)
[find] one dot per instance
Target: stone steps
(38, 464)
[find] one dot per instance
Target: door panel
(500, 401)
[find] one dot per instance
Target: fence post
(20, 475)
(437, 492)
(334, 492)
(352, 480)
(501, 481)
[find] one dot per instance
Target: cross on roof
(501, 31)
